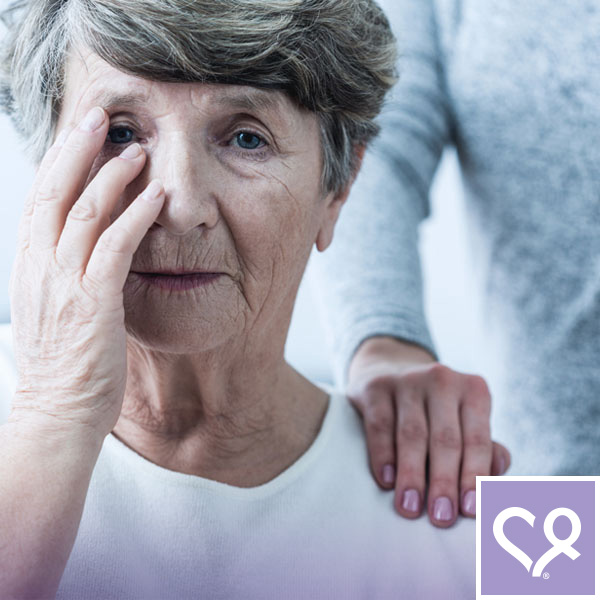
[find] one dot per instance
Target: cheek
(273, 223)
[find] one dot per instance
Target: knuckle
(407, 384)
(478, 389)
(379, 456)
(47, 194)
(377, 401)
(441, 376)
(119, 245)
(445, 482)
(380, 383)
(84, 210)
(61, 263)
(447, 438)
(378, 421)
(407, 472)
(479, 440)
(120, 234)
(413, 432)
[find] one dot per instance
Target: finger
(90, 215)
(110, 261)
(499, 465)
(45, 165)
(411, 451)
(445, 448)
(477, 442)
(66, 178)
(501, 459)
(378, 412)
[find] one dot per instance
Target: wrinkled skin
(193, 380)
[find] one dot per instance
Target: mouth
(177, 281)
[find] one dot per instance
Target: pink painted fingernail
(469, 502)
(388, 474)
(442, 509)
(410, 500)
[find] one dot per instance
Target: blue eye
(247, 140)
(119, 135)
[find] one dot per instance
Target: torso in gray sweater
(515, 86)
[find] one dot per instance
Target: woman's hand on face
(66, 284)
(418, 413)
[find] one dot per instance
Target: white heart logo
(558, 546)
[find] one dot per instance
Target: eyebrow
(108, 99)
(255, 100)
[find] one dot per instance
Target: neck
(239, 419)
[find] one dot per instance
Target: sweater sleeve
(369, 281)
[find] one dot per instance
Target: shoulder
(348, 454)
(8, 370)
(344, 421)
(367, 525)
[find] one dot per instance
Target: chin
(166, 329)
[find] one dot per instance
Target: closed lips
(178, 282)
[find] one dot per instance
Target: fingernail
(153, 191)
(410, 501)
(388, 474)
(442, 509)
(132, 151)
(469, 502)
(62, 137)
(93, 119)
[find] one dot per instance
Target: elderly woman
(158, 445)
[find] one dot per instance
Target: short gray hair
(336, 58)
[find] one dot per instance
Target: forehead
(91, 81)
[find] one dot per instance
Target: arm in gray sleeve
(369, 282)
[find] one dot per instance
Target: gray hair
(336, 58)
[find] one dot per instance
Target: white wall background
(450, 305)
(16, 176)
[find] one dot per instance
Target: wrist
(378, 349)
(51, 430)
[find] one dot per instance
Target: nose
(183, 166)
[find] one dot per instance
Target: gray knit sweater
(515, 86)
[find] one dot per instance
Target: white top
(321, 529)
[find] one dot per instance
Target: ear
(334, 203)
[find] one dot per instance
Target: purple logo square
(537, 537)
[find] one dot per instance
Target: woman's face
(241, 168)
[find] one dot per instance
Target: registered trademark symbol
(546, 575)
